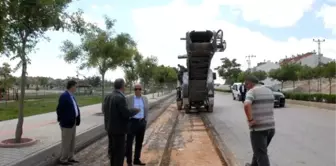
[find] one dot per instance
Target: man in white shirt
(137, 125)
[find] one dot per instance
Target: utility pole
(248, 60)
(319, 57)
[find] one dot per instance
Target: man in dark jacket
(243, 91)
(116, 117)
(68, 116)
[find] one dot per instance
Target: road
(172, 139)
(304, 136)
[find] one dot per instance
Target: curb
(225, 153)
(49, 155)
(327, 106)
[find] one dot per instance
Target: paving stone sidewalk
(45, 129)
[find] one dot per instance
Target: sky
(269, 29)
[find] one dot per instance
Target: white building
(266, 66)
(310, 59)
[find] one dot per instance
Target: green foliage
(229, 70)
(261, 75)
(290, 71)
(100, 49)
(306, 73)
(329, 71)
(145, 69)
(94, 81)
(25, 23)
(165, 74)
(318, 97)
(6, 78)
(129, 67)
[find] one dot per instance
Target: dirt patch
(192, 145)
(158, 136)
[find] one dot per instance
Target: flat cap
(252, 78)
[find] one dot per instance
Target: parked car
(279, 98)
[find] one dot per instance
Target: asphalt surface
(305, 136)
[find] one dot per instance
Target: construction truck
(196, 80)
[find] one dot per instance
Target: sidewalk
(46, 130)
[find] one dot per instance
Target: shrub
(317, 97)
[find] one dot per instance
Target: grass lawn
(40, 106)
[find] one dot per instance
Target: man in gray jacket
(137, 125)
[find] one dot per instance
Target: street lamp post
(319, 57)
(248, 60)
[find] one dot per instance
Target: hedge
(223, 90)
(316, 97)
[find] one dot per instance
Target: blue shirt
(138, 103)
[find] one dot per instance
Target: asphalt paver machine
(196, 81)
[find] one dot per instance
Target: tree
(42, 81)
(290, 72)
(241, 76)
(26, 23)
(261, 75)
(329, 71)
(100, 49)
(229, 70)
(145, 69)
(129, 68)
(306, 73)
(278, 74)
(94, 81)
(6, 79)
(164, 75)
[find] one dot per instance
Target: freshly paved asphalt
(305, 136)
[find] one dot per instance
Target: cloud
(328, 13)
(94, 6)
(276, 14)
(158, 34)
(99, 21)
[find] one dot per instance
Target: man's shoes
(64, 163)
(73, 161)
(138, 162)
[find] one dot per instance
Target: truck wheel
(187, 109)
(210, 108)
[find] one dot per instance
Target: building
(310, 59)
(266, 66)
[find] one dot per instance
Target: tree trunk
(18, 132)
(330, 79)
(293, 86)
(103, 85)
(282, 85)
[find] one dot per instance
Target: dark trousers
(116, 149)
(260, 141)
(243, 95)
(137, 130)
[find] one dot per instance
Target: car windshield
(272, 89)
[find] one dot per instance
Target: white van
(235, 91)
